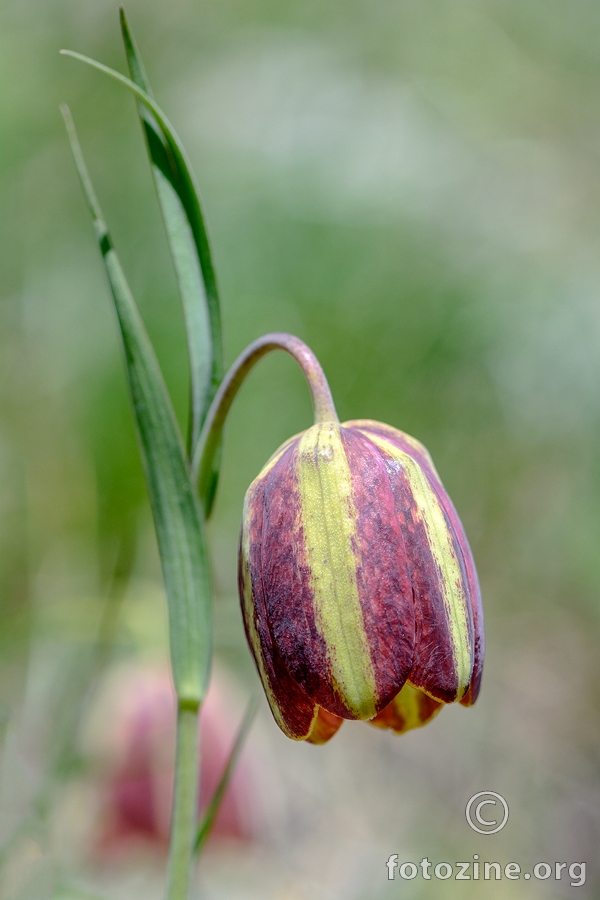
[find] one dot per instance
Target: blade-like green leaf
(177, 519)
(187, 237)
(194, 275)
(212, 809)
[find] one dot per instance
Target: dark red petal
(443, 658)
(382, 568)
(413, 447)
(293, 710)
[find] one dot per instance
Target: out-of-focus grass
(413, 189)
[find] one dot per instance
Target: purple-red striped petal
(358, 587)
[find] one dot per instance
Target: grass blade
(177, 519)
(212, 809)
(185, 249)
(186, 231)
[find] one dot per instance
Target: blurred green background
(414, 189)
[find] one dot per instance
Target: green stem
(211, 811)
(324, 408)
(184, 815)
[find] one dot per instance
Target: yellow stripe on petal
(328, 517)
(443, 551)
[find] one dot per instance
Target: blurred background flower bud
(131, 733)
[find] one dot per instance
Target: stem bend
(323, 405)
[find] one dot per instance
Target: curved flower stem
(324, 408)
(183, 820)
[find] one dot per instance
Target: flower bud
(358, 588)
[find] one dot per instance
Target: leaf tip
(66, 114)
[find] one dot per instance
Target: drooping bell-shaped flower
(359, 592)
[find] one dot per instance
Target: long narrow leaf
(213, 807)
(185, 225)
(172, 187)
(177, 518)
